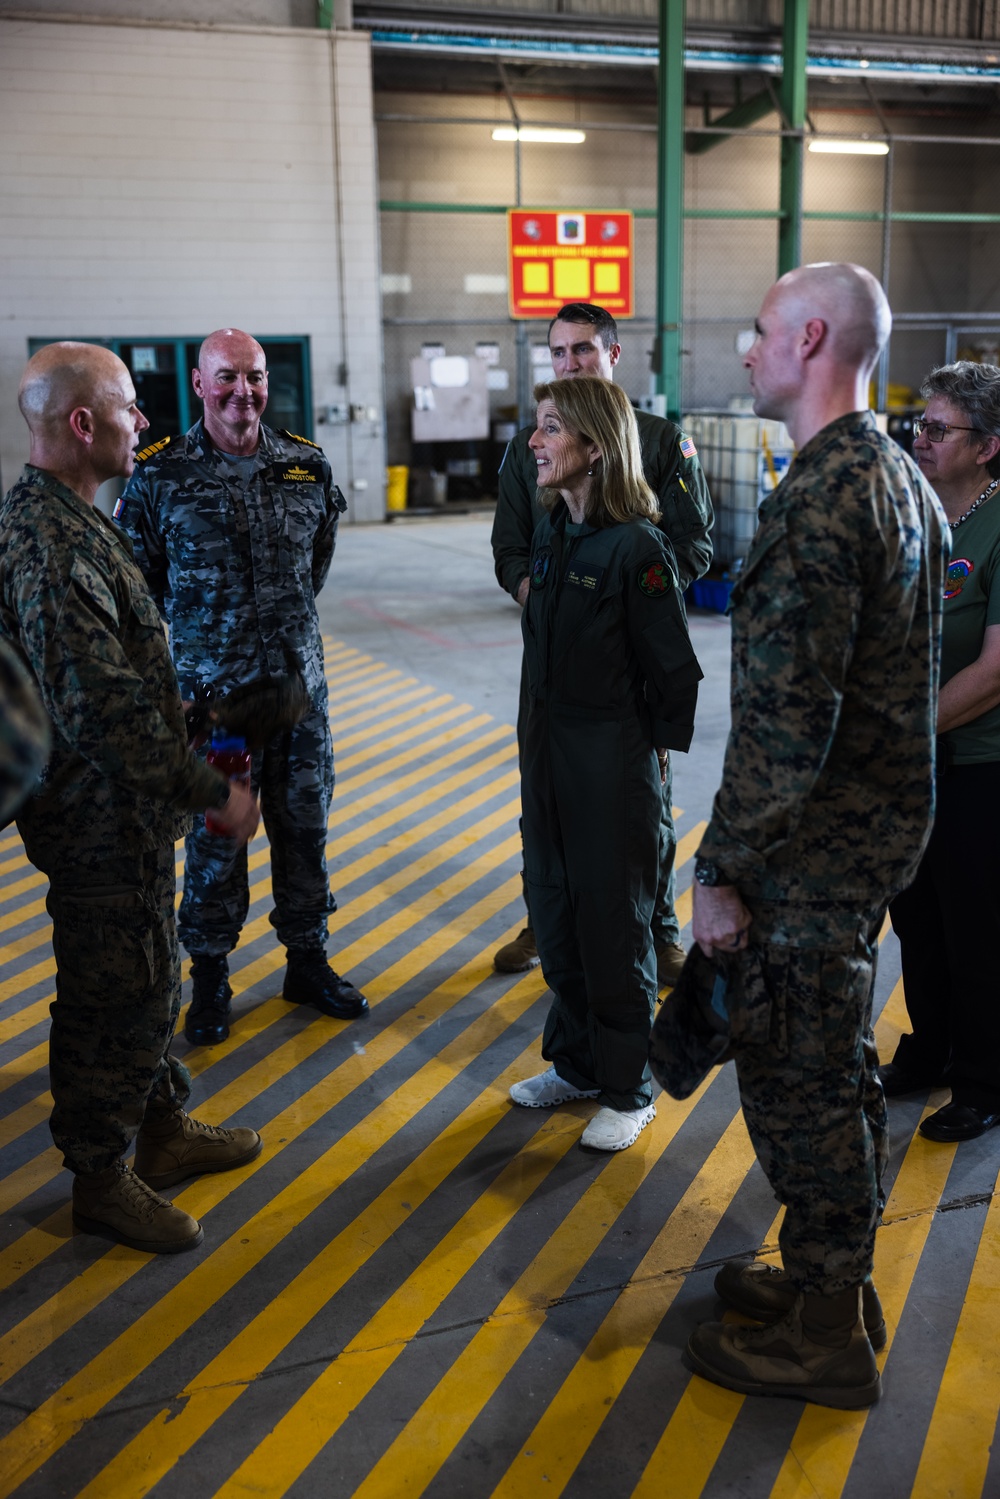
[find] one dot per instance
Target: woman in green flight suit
(612, 685)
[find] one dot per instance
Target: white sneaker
(613, 1129)
(546, 1090)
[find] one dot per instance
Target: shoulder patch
(688, 448)
(295, 437)
(655, 580)
(154, 447)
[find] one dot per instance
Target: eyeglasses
(937, 431)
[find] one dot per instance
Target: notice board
(560, 255)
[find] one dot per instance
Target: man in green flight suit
(824, 809)
(583, 341)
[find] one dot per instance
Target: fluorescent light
(539, 135)
(849, 148)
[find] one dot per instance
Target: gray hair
(975, 389)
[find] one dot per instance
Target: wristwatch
(707, 873)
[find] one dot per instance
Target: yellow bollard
(397, 479)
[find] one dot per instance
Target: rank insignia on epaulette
(283, 432)
(154, 447)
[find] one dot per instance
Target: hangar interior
(418, 1290)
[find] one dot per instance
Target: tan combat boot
(119, 1205)
(517, 956)
(171, 1146)
(819, 1351)
(765, 1294)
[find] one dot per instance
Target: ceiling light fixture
(539, 135)
(849, 148)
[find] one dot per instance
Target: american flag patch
(688, 448)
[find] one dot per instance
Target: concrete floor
(418, 1289)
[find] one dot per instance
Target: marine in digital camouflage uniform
(235, 546)
(824, 808)
(24, 733)
(115, 794)
(672, 470)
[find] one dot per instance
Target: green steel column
(793, 104)
(670, 206)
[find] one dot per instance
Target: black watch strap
(707, 873)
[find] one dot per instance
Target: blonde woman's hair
(600, 412)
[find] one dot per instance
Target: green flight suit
(676, 478)
(610, 677)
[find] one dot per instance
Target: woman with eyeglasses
(948, 921)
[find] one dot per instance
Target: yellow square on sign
(536, 276)
(572, 280)
(607, 277)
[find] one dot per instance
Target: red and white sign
(557, 256)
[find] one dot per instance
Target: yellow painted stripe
(341, 723)
(433, 1432)
(43, 1431)
(22, 914)
(393, 720)
(153, 1452)
(572, 1419)
(424, 908)
(33, 1335)
(962, 1429)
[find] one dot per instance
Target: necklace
(991, 486)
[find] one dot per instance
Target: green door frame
(793, 107)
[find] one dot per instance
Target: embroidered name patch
(960, 570)
(540, 567)
(589, 581)
(655, 581)
(297, 473)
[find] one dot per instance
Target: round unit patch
(540, 567)
(655, 580)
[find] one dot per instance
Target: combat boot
(819, 1351)
(765, 1293)
(669, 962)
(207, 1019)
(171, 1146)
(517, 956)
(118, 1205)
(309, 980)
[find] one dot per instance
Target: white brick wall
(164, 183)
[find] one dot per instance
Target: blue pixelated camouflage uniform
(235, 571)
(672, 470)
(824, 809)
(117, 791)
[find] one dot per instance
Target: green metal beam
(859, 216)
(324, 14)
(696, 141)
(670, 206)
(793, 106)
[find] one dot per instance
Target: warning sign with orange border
(558, 255)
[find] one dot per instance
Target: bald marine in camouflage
(234, 527)
(116, 793)
(24, 733)
(824, 809)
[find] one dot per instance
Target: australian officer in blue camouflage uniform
(824, 809)
(583, 341)
(234, 527)
(116, 793)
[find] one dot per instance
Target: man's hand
(240, 817)
(719, 918)
(523, 589)
(663, 760)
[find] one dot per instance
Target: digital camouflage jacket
(235, 571)
(827, 791)
(76, 607)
